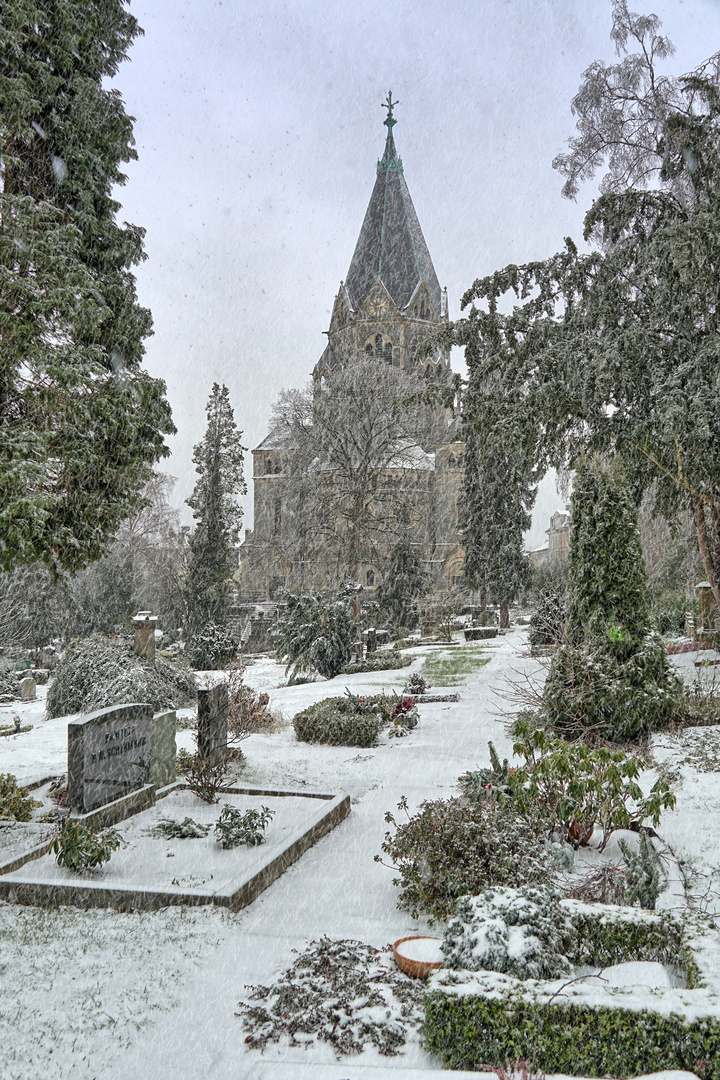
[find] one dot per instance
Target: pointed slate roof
(391, 245)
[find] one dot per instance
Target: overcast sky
(258, 126)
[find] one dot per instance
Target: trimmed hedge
(476, 1019)
(337, 722)
(480, 633)
(386, 661)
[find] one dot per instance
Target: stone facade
(387, 307)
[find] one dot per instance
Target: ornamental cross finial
(389, 104)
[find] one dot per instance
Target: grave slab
(149, 872)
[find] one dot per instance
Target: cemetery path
(336, 889)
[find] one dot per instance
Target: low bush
(78, 847)
(416, 684)
(522, 932)
(582, 787)
(455, 847)
(338, 721)
(547, 622)
(249, 713)
(96, 672)
(16, 803)
(187, 829)
(378, 661)
(204, 776)
(480, 633)
(234, 828)
(211, 649)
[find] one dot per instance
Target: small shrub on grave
(581, 787)
(211, 649)
(452, 848)
(78, 847)
(16, 803)
(415, 684)
(489, 783)
(187, 829)
(338, 721)
(234, 828)
(522, 932)
(480, 633)
(379, 661)
(204, 776)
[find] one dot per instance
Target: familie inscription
(109, 754)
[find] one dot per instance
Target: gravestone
(145, 626)
(109, 755)
(212, 719)
(370, 640)
(27, 689)
(163, 750)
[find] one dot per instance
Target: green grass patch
(450, 668)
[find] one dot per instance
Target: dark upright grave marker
(213, 719)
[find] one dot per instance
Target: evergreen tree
(214, 543)
(403, 583)
(80, 422)
(494, 515)
(610, 676)
(617, 350)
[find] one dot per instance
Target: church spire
(391, 247)
(390, 160)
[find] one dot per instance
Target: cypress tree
(494, 516)
(214, 543)
(404, 582)
(610, 677)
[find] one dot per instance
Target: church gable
(378, 305)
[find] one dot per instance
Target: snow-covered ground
(122, 995)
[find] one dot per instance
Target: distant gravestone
(109, 755)
(212, 719)
(145, 626)
(27, 689)
(370, 640)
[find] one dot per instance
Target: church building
(385, 310)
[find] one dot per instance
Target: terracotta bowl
(420, 969)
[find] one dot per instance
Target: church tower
(388, 306)
(390, 300)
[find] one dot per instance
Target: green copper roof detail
(390, 162)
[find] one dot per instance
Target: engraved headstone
(109, 755)
(27, 689)
(212, 719)
(370, 640)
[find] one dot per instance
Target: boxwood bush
(384, 661)
(339, 722)
(480, 1019)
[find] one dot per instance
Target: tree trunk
(707, 552)
(504, 617)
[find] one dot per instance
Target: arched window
(370, 578)
(388, 352)
(277, 524)
(368, 349)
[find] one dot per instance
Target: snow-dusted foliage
(522, 932)
(96, 672)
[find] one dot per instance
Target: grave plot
(151, 871)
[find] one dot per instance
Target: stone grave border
(85, 895)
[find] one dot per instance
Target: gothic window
(451, 461)
(378, 346)
(277, 524)
(388, 352)
(370, 578)
(368, 349)
(460, 461)
(429, 372)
